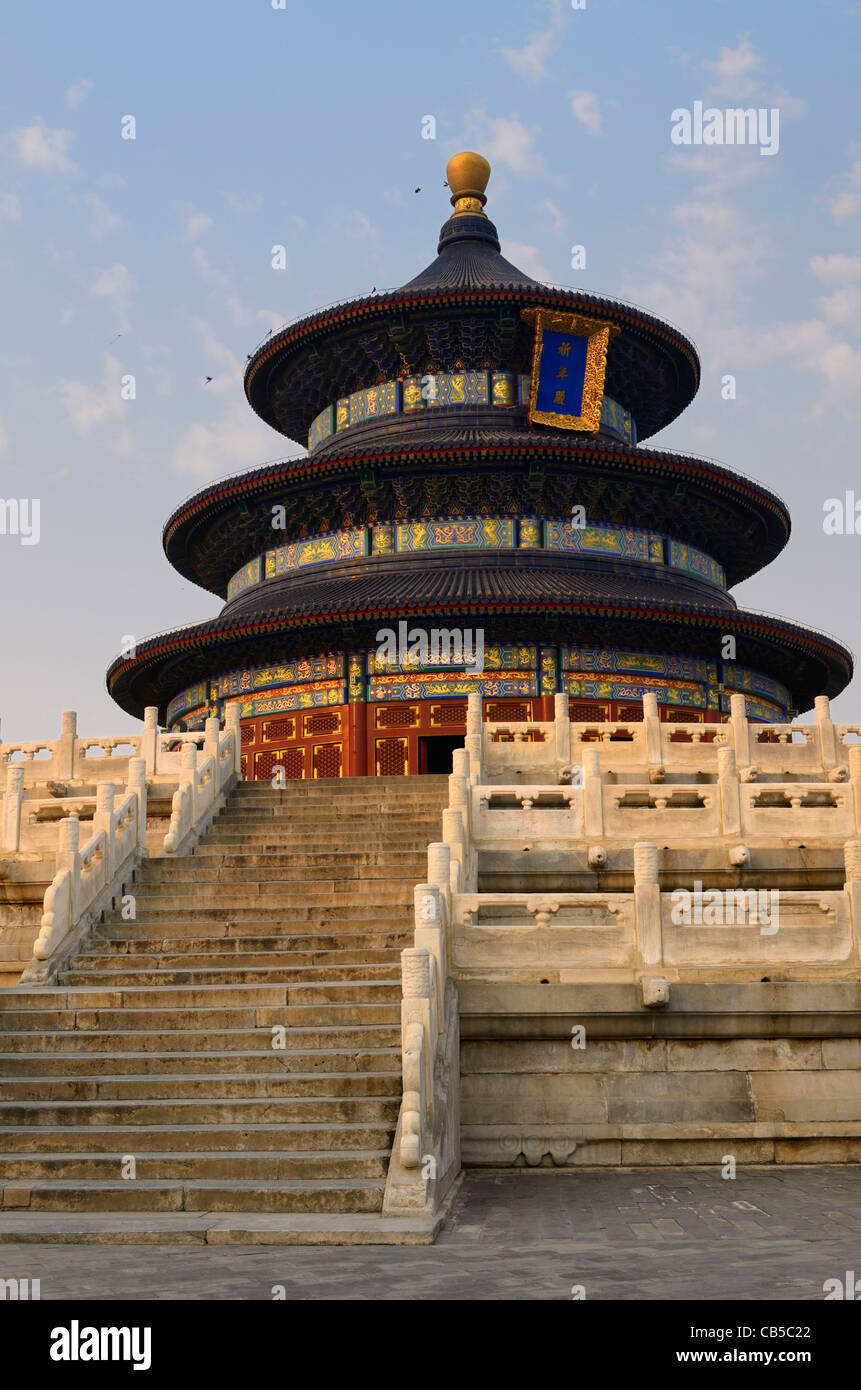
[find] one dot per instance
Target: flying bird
(417, 190)
(207, 379)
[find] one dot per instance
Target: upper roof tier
(462, 313)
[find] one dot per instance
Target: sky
(262, 123)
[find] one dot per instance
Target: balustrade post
(439, 864)
(826, 733)
(149, 739)
(188, 774)
(474, 742)
(855, 781)
(562, 724)
(593, 792)
(460, 763)
(652, 726)
(211, 731)
(13, 797)
(137, 784)
(740, 730)
(729, 793)
(64, 750)
(647, 902)
(430, 934)
(68, 857)
(232, 724)
(103, 820)
(852, 862)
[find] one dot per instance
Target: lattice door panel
(517, 711)
(448, 713)
(321, 722)
(391, 757)
(588, 712)
(279, 730)
(397, 717)
(327, 759)
(291, 759)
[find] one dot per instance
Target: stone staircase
(237, 1045)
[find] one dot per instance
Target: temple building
(477, 511)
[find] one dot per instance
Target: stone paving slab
(664, 1234)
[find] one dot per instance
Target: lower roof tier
(529, 598)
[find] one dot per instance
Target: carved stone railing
(425, 1158)
(201, 785)
(807, 751)
(84, 873)
(68, 757)
(88, 877)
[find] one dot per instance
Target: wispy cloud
(531, 59)
(554, 212)
(360, 226)
(734, 70)
(102, 220)
(117, 285)
(39, 147)
(508, 141)
(844, 193)
(738, 73)
(584, 108)
(526, 258)
(77, 94)
(89, 408)
(197, 225)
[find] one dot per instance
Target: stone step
(292, 935)
(322, 1195)
(146, 1041)
(241, 1038)
(334, 788)
(324, 1061)
(221, 898)
(208, 857)
(175, 997)
(130, 938)
(208, 1086)
(156, 1020)
(352, 909)
(345, 806)
(122, 960)
(196, 1229)
(412, 836)
(261, 1166)
(152, 1136)
(192, 975)
(314, 1110)
(409, 865)
(269, 818)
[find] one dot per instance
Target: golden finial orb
(467, 175)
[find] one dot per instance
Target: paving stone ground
(667, 1234)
